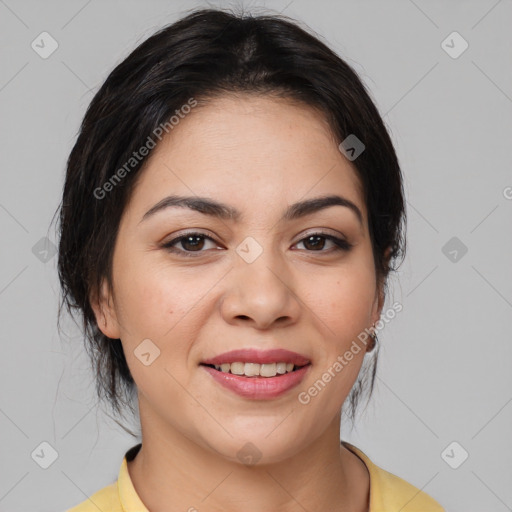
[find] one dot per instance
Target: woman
(231, 212)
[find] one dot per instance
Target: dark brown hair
(205, 54)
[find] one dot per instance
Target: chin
(257, 447)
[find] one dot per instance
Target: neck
(172, 473)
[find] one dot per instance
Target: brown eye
(316, 242)
(190, 243)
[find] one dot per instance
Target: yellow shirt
(388, 492)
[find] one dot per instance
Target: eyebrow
(208, 206)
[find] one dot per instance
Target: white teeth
(281, 368)
(252, 369)
(237, 368)
(268, 370)
(255, 369)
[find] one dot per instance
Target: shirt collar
(130, 501)
(374, 476)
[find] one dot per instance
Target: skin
(258, 154)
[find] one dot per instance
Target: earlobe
(104, 311)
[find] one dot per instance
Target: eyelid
(188, 232)
(322, 231)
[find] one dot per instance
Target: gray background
(445, 368)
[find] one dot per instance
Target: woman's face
(260, 281)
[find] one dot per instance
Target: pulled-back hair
(204, 55)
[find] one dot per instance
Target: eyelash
(339, 244)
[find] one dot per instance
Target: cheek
(153, 298)
(344, 301)
(146, 305)
(161, 305)
(154, 307)
(345, 307)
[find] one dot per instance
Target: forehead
(248, 150)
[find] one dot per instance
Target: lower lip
(258, 388)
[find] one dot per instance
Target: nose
(261, 294)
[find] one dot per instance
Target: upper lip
(278, 355)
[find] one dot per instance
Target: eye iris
(316, 244)
(194, 245)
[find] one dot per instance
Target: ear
(102, 303)
(380, 295)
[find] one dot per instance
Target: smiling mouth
(256, 370)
